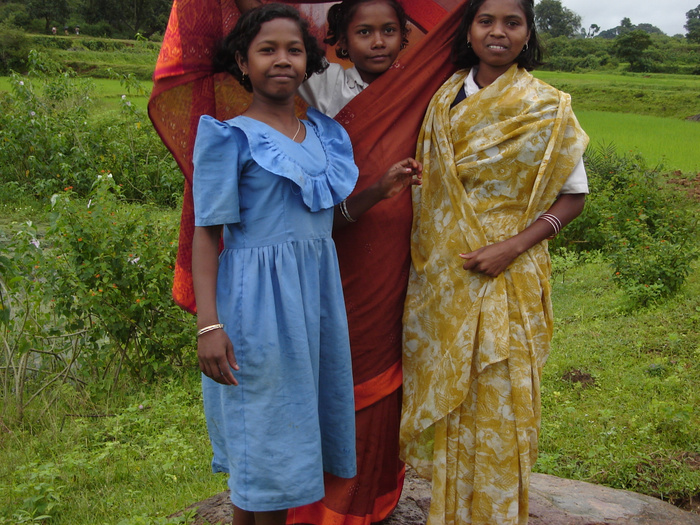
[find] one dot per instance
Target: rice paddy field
(645, 114)
(669, 143)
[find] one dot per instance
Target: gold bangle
(209, 328)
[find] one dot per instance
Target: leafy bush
(644, 229)
(109, 273)
(89, 299)
(51, 142)
(14, 47)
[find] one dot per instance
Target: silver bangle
(553, 221)
(209, 328)
(344, 211)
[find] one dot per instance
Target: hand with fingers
(217, 359)
(407, 172)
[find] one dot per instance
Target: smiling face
(276, 61)
(498, 35)
(373, 39)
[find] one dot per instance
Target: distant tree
(14, 14)
(51, 11)
(143, 16)
(625, 26)
(648, 28)
(630, 47)
(609, 34)
(592, 31)
(556, 20)
(693, 25)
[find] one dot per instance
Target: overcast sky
(667, 15)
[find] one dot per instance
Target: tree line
(100, 18)
(569, 46)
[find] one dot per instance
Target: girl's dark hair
(340, 15)
(463, 55)
(247, 28)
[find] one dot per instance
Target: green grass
(621, 405)
(663, 141)
(108, 93)
(142, 453)
(673, 96)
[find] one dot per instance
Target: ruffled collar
(320, 190)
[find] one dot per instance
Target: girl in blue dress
(272, 332)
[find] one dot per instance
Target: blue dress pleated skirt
(280, 298)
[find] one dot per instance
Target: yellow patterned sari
(474, 346)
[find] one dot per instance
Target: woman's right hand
(216, 357)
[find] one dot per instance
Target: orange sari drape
(374, 253)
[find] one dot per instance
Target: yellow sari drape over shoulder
(474, 346)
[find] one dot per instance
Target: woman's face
(498, 34)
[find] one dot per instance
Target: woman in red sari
(383, 122)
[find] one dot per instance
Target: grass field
(623, 110)
(669, 142)
(673, 96)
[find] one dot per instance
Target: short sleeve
(216, 160)
(577, 181)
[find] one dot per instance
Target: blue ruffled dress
(280, 298)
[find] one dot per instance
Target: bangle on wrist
(210, 328)
(553, 221)
(344, 211)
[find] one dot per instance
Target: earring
(469, 44)
(306, 76)
(244, 77)
(343, 53)
(524, 49)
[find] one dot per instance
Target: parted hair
(463, 55)
(247, 28)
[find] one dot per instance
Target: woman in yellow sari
(502, 172)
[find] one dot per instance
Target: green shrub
(14, 47)
(50, 141)
(645, 229)
(89, 299)
(110, 272)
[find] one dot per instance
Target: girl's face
(498, 35)
(276, 61)
(373, 39)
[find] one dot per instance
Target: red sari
(374, 253)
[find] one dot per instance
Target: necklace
(298, 129)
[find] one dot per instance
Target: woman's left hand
(490, 260)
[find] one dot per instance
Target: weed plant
(89, 299)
